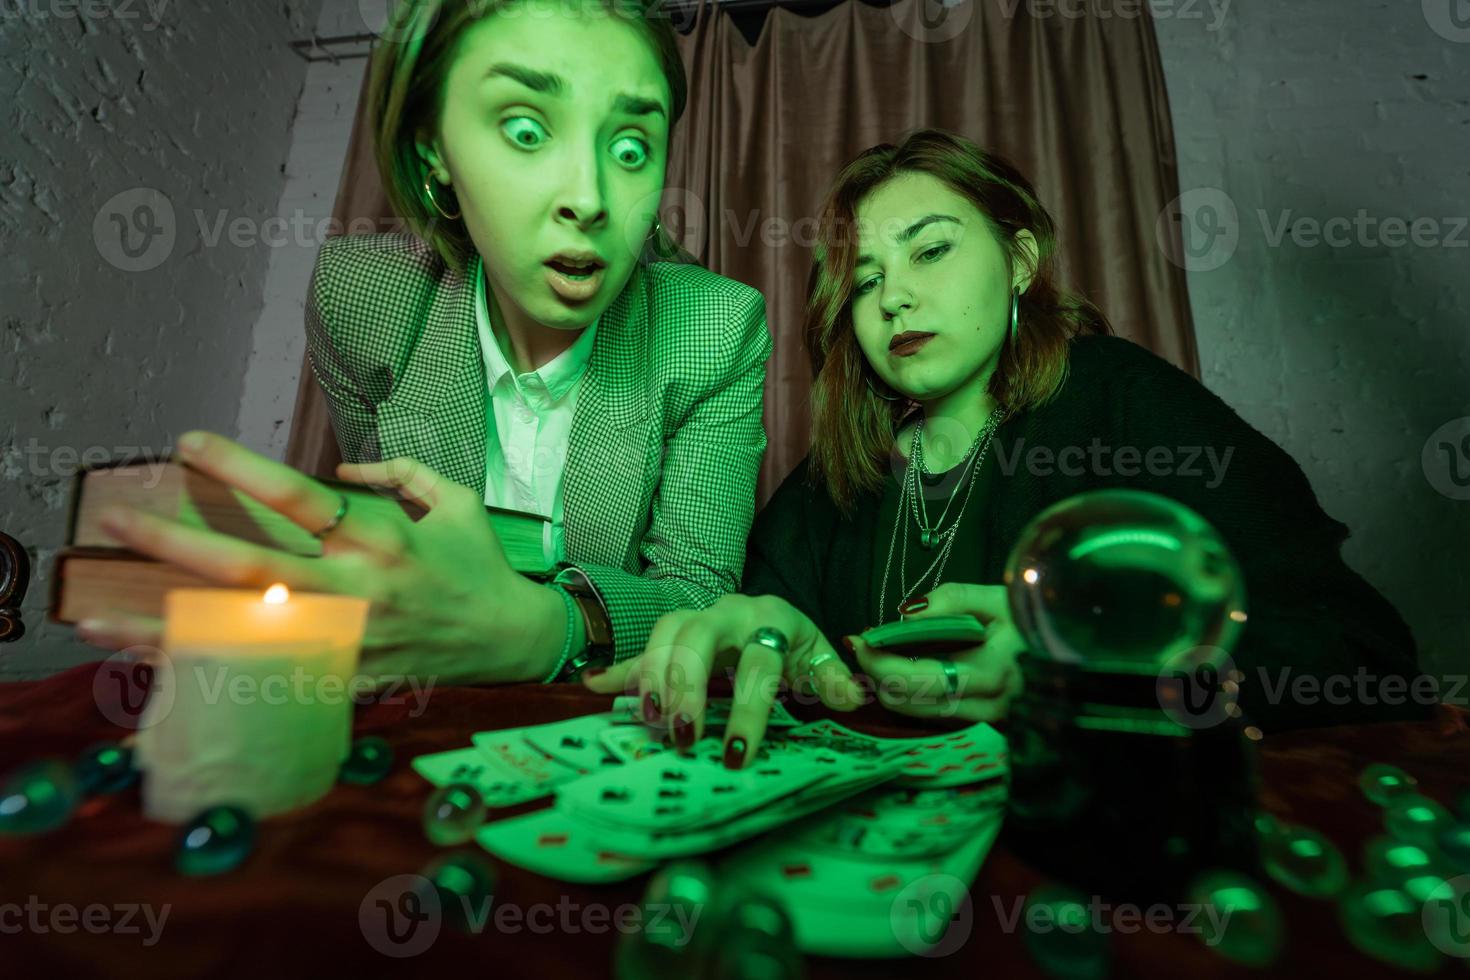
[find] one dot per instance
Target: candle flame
(277, 594)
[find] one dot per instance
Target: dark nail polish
(914, 605)
(683, 730)
(650, 708)
(735, 753)
(847, 642)
(594, 671)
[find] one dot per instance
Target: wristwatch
(597, 625)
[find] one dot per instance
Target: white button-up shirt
(528, 431)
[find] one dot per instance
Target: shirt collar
(557, 375)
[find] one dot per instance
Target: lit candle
(251, 702)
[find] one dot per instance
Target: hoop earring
(876, 394)
(429, 193)
(1015, 310)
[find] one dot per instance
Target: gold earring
(429, 193)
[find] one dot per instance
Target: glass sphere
(1383, 783)
(1242, 921)
(465, 884)
(1416, 819)
(1304, 861)
(105, 768)
(219, 839)
(1388, 925)
(38, 797)
(1062, 936)
(453, 814)
(367, 761)
(1123, 580)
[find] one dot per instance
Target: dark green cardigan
(1310, 614)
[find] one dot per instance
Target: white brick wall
(194, 100)
(1349, 357)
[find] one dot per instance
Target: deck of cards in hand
(842, 826)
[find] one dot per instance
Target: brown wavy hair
(853, 426)
(410, 63)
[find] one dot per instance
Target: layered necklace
(936, 535)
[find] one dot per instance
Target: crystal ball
(38, 797)
(453, 814)
(367, 761)
(105, 768)
(219, 839)
(1123, 580)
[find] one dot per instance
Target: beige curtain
(1077, 103)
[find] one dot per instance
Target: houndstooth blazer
(666, 439)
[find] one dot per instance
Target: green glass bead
(105, 768)
(1062, 937)
(1391, 862)
(1416, 819)
(38, 797)
(1383, 783)
(1240, 920)
(1452, 847)
(1388, 925)
(465, 883)
(453, 814)
(219, 839)
(1304, 861)
(367, 761)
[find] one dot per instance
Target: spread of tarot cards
(859, 822)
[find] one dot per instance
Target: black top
(1309, 613)
(966, 561)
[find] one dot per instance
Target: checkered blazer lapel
(438, 414)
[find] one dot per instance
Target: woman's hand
(987, 676)
(443, 595)
(685, 649)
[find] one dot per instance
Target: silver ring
(336, 518)
(817, 661)
(770, 638)
(951, 677)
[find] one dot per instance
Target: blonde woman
(526, 348)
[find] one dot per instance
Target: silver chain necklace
(931, 535)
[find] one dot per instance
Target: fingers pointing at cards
(686, 648)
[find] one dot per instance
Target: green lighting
(1109, 539)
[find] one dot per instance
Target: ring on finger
(951, 677)
(770, 638)
(336, 518)
(811, 668)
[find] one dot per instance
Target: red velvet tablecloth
(293, 908)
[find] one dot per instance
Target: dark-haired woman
(960, 393)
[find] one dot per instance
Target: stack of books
(94, 576)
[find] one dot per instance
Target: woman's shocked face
(553, 135)
(931, 296)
